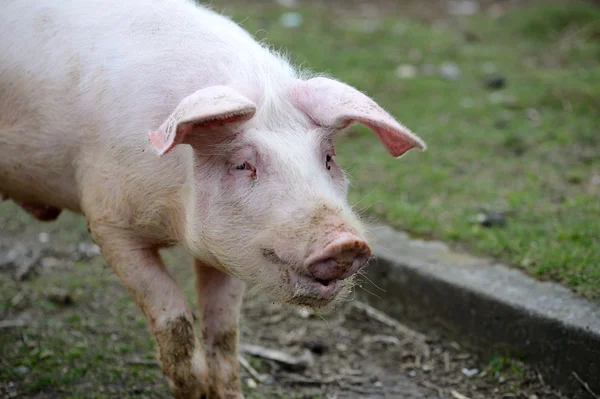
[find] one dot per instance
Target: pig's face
(273, 212)
(269, 203)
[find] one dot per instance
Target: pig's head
(268, 203)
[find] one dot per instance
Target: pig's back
(89, 79)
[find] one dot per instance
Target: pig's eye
(247, 166)
(328, 162)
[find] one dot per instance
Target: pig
(165, 123)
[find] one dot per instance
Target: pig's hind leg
(219, 299)
(162, 301)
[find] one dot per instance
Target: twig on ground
(386, 339)
(585, 385)
(446, 362)
(387, 320)
(263, 379)
(540, 378)
(276, 318)
(458, 395)
(296, 363)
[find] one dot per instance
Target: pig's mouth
(306, 290)
(311, 287)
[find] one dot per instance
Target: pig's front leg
(162, 301)
(219, 299)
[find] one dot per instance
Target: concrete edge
(488, 306)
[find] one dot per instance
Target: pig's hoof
(189, 390)
(42, 212)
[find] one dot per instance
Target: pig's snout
(340, 259)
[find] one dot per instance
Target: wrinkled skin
(164, 124)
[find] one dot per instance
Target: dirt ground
(68, 329)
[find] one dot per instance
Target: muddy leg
(162, 301)
(219, 299)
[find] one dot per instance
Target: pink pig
(165, 123)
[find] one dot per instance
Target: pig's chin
(307, 291)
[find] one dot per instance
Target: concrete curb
(490, 307)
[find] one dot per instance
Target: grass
(66, 349)
(530, 150)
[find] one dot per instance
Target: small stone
(287, 3)
(406, 71)
(341, 347)
(21, 370)
(378, 384)
(427, 367)
(291, 19)
(495, 82)
(412, 373)
(304, 313)
(470, 372)
(251, 384)
(491, 219)
(88, 249)
(449, 71)
(464, 7)
(44, 238)
(534, 396)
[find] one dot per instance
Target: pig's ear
(215, 105)
(335, 105)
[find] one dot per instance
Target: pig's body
(90, 98)
(165, 123)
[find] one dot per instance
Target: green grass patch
(530, 150)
